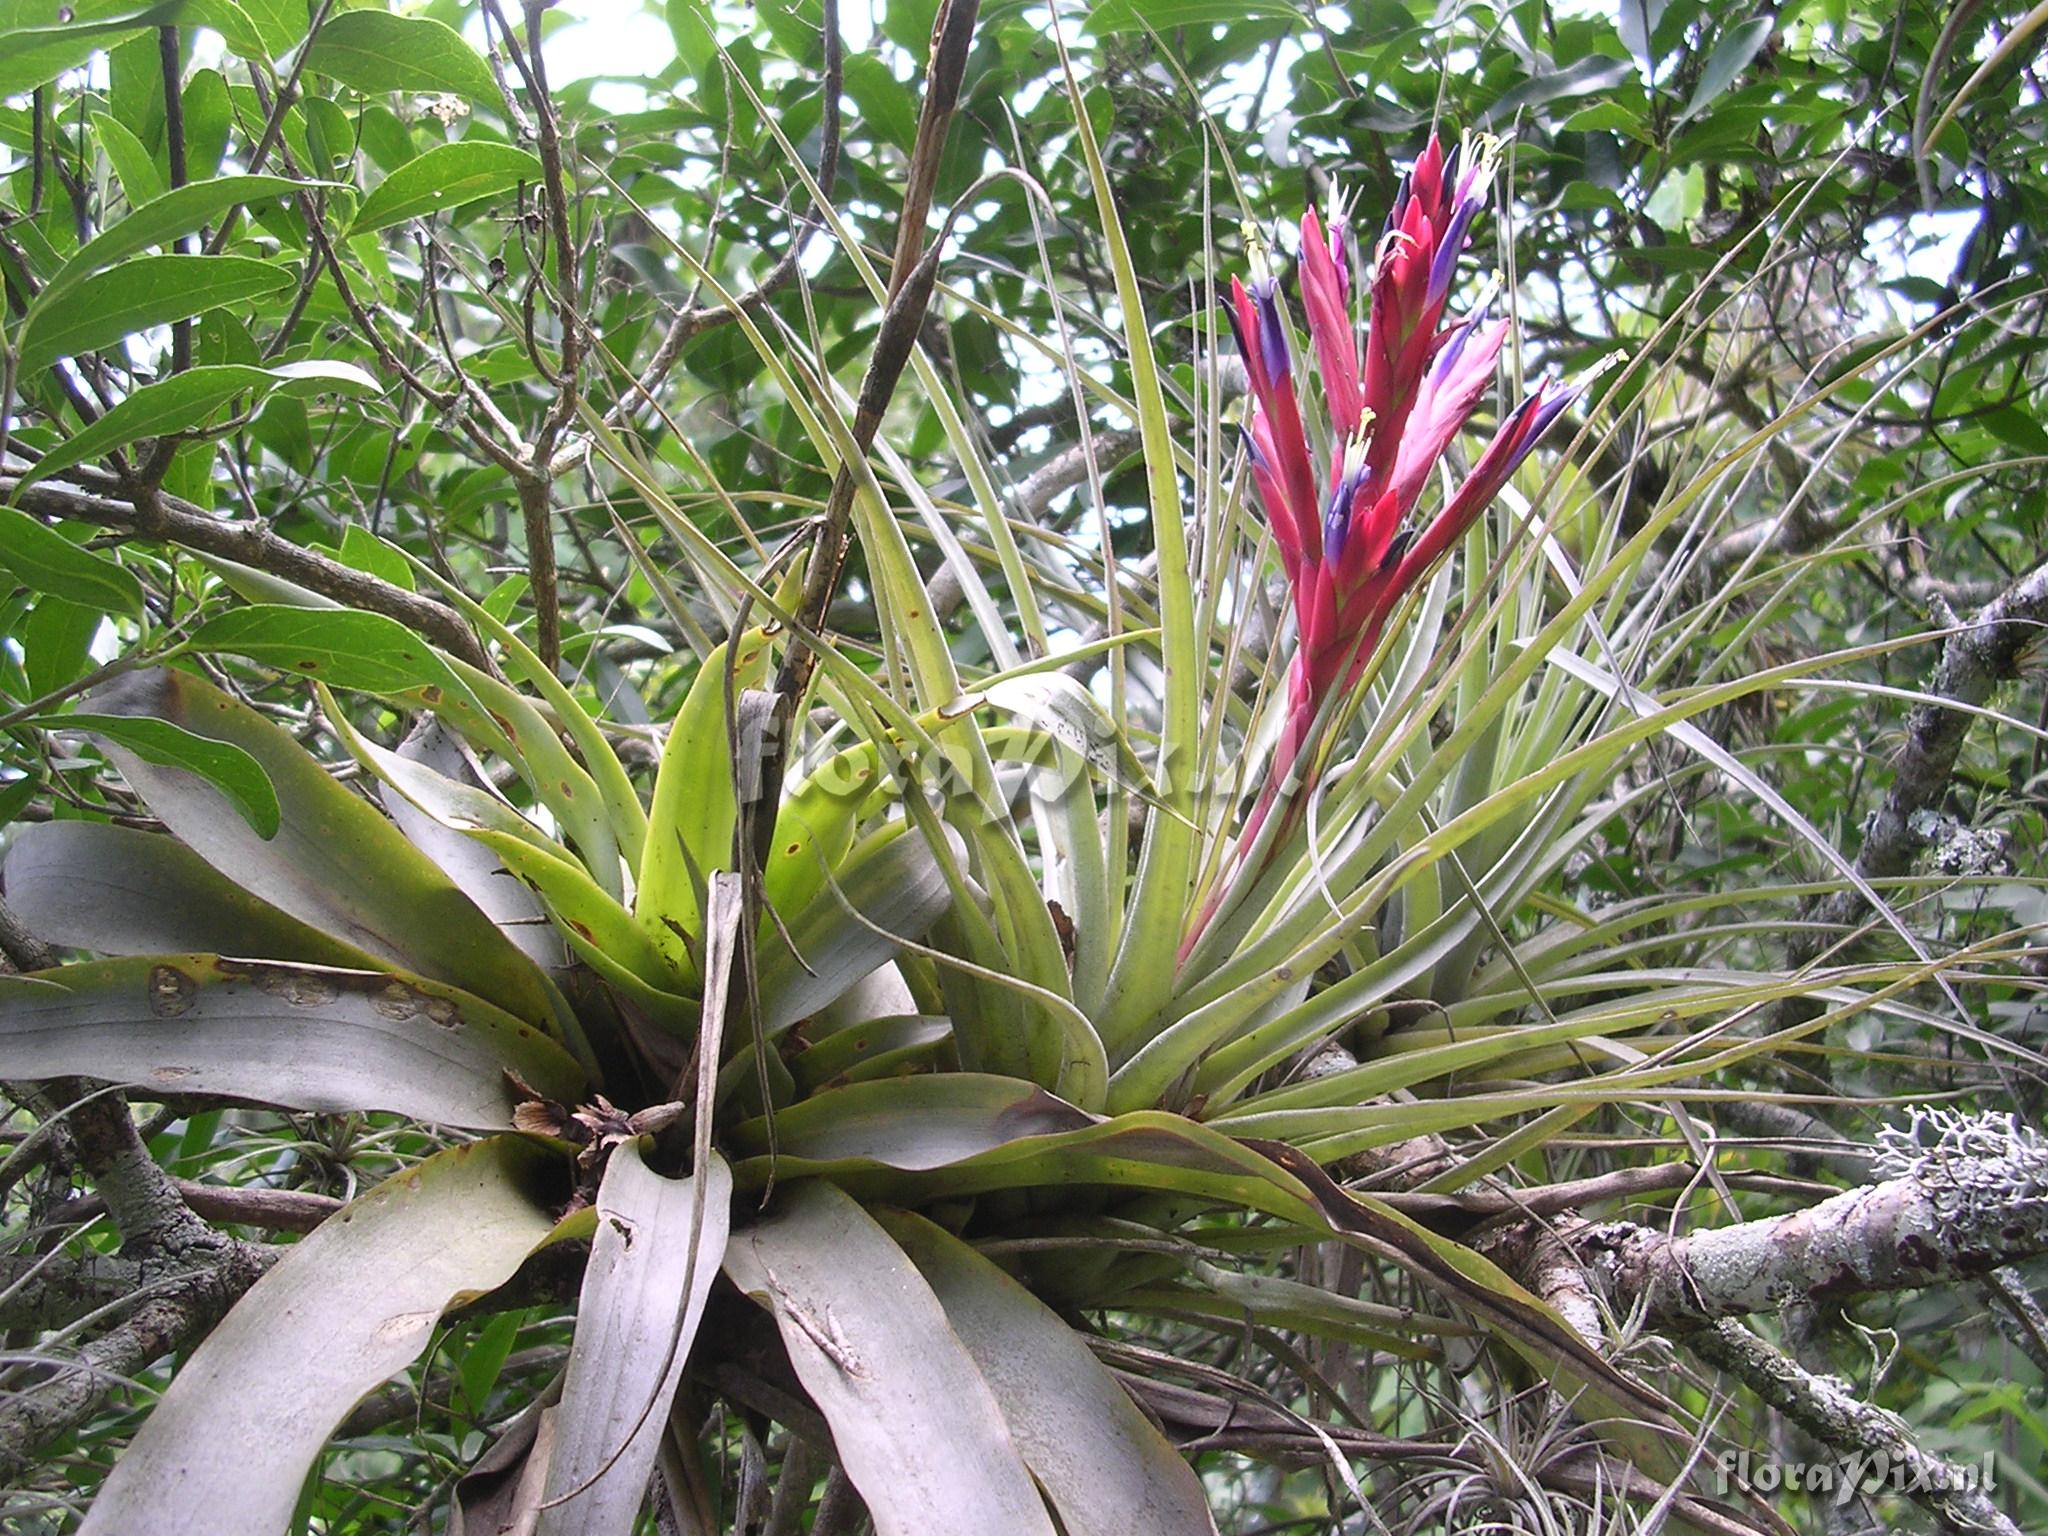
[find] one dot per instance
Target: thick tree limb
(1973, 1203)
(273, 1210)
(96, 499)
(178, 1312)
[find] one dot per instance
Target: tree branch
(1975, 1201)
(1974, 661)
(174, 521)
(1827, 1411)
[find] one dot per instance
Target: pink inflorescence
(1347, 539)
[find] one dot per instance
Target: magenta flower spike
(1349, 538)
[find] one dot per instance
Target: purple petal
(1251, 449)
(1549, 411)
(1447, 359)
(1272, 334)
(1244, 346)
(1449, 248)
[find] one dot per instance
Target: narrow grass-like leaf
(1141, 978)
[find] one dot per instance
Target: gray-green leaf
(643, 1297)
(872, 1346)
(228, 1447)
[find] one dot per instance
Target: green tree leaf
(222, 764)
(376, 52)
(444, 178)
(157, 222)
(38, 42)
(1729, 59)
(341, 647)
(44, 560)
(190, 400)
(150, 290)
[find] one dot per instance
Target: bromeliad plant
(842, 1080)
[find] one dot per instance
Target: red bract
(1348, 537)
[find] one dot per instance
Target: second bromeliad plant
(347, 960)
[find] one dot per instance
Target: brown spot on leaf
(1063, 925)
(397, 1002)
(171, 991)
(300, 990)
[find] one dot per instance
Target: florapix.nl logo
(1870, 1472)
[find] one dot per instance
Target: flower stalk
(1350, 539)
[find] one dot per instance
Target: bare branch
(1973, 1203)
(1974, 661)
(1827, 1411)
(175, 521)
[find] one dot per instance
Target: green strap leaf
(301, 1037)
(342, 1311)
(872, 1346)
(689, 829)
